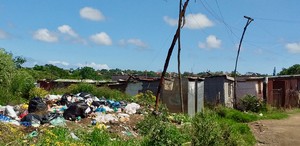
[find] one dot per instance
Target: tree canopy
(293, 70)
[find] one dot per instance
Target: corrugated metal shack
(192, 91)
(219, 90)
(283, 91)
(254, 86)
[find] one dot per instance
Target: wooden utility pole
(178, 59)
(249, 20)
(181, 15)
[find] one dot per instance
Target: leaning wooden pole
(169, 54)
(178, 58)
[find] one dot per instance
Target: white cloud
(66, 29)
(293, 47)
(197, 21)
(94, 65)
(101, 38)
(135, 42)
(91, 14)
(212, 42)
(192, 21)
(59, 63)
(3, 34)
(70, 34)
(170, 21)
(45, 35)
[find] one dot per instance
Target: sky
(137, 34)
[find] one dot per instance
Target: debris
(10, 112)
(59, 121)
(101, 126)
(37, 104)
(33, 134)
(4, 118)
(74, 136)
(131, 108)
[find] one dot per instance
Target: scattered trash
(59, 121)
(56, 109)
(33, 134)
(4, 118)
(131, 108)
(10, 112)
(93, 122)
(74, 136)
(101, 126)
(36, 104)
(105, 118)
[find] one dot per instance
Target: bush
(146, 98)
(157, 130)
(206, 130)
(77, 88)
(38, 92)
(22, 83)
(252, 103)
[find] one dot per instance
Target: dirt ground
(284, 132)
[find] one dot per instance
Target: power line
(277, 20)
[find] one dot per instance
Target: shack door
(278, 93)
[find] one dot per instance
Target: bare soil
(285, 132)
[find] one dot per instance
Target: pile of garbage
(56, 109)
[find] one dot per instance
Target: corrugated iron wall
(283, 92)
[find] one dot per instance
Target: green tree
(88, 73)
(22, 83)
(293, 70)
(18, 60)
(7, 68)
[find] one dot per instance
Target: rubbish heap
(56, 109)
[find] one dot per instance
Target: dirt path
(284, 132)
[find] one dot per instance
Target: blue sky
(136, 34)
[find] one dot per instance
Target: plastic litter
(22, 115)
(26, 124)
(101, 126)
(4, 118)
(33, 134)
(53, 97)
(107, 109)
(101, 109)
(74, 136)
(10, 112)
(59, 121)
(115, 105)
(105, 118)
(93, 122)
(131, 108)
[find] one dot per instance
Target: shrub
(22, 83)
(77, 88)
(146, 98)
(252, 103)
(206, 130)
(38, 92)
(157, 130)
(164, 134)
